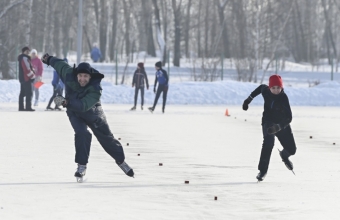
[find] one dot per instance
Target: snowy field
(218, 155)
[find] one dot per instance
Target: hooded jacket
(80, 99)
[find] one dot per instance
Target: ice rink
(217, 154)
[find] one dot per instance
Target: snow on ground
(195, 93)
(217, 154)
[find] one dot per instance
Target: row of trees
(247, 31)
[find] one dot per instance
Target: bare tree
(177, 26)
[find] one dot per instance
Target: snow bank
(197, 93)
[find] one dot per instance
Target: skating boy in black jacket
(275, 122)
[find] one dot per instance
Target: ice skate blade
(293, 172)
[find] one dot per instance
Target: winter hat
(159, 64)
(141, 65)
(275, 80)
(24, 49)
(34, 51)
(84, 68)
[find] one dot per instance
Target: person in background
(138, 81)
(163, 85)
(276, 119)
(26, 77)
(38, 69)
(58, 87)
(96, 54)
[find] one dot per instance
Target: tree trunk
(28, 24)
(223, 22)
(186, 30)
(103, 27)
(127, 28)
(114, 29)
(177, 23)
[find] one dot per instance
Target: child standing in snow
(138, 80)
(276, 120)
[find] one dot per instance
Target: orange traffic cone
(227, 112)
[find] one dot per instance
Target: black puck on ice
(333, 143)
(160, 164)
(245, 119)
(118, 138)
(186, 182)
(138, 154)
(310, 137)
(215, 197)
(127, 144)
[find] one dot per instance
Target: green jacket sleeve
(61, 67)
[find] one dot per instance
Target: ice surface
(218, 155)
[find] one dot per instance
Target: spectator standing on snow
(138, 81)
(276, 120)
(84, 109)
(38, 70)
(58, 87)
(96, 54)
(26, 77)
(163, 85)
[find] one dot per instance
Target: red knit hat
(141, 65)
(275, 80)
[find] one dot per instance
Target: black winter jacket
(138, 78)
(276, 107)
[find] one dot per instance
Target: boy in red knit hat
(275, 122)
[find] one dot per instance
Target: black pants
(141, 93)
(160, 89)
(286, 139)
(55, 93)
(25, 91)
(96, 120)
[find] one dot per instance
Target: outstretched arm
(59, 65)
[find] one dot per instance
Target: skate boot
(48, 108)
(126, 168)
(57, 108)
(163, 110)
(151, 109)
(133, 108)
(261, 176)
(81, 171)
(284, 156)
(141, 107)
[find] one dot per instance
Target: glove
(154, 89)
(46, 58)
(246, 103)
(274, 129)
(60, 100)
